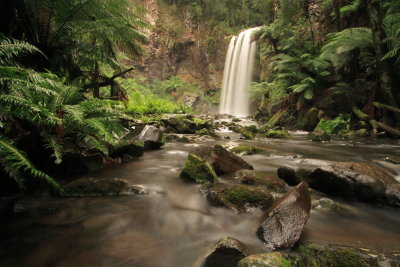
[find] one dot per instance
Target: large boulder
(283, 223)
(89, 186)
(186, 124)
(275, 259)
(278, 134)
(356, 180)
(198, 170)
(227, 253)
(222, 160)
(152, 137)
(292, 176)
(240, 198)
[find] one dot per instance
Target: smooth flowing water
(175, 226)
(238, 74)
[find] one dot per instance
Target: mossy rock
(242, 196)
(327, 205)
(275, 259)
(198, 170)
(246, 150)
(250, 177)
(341, 122)
(94, 187)
(362, 133)
(278, 134)
(321, 256)
(132, 148)
(320, 136)
(207, 132)
(247, 135)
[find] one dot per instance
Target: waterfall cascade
(238, 73)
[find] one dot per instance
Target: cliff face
(178, 46)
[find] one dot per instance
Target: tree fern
(11, 50)
(15, 163)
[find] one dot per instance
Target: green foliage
(341, 122)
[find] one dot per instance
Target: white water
(238, 73)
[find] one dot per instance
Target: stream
(173, 225)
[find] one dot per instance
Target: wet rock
(320, 136)
(207, 132)
(246, 150)
(240, 198)
(361, 133)
(393, 159)
(283, 223)
(275, 259)
(277, 134)
(356, 180)
(227, 253)
(152, 137)
(134, 149)
(320, 255)
(100, 186)
(327, 205)
(186, 124)
(198, 170)
(247, 135)
(250, 177)
(292, 176)
(222, 160)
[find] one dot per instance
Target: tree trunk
(95, 78)
(338, 19)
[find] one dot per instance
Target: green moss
(320, 136)
(269, 182)
(327, 204)
(247, 134)
(246, 150)
(93, 186)
(277, 134)
(318, 256)
(240, 195)
(341, 122)
(208, 132)
(353, 134)
(275, 259)
(277, 117)
(198, 121)
(198, 170)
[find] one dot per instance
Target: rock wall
(178, 46)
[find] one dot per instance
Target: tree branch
(108, 82)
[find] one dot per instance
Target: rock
(100, 186)
(292, 176)
(250, 177)
(207, 132)
(74, 165)
(198, 170)
(356, 180)
(152, 137)
(327, 204)
(361, 133)
(246, 150)
(222, 160)
(283, 223)
(320, 255)
(134, 149)
(393, 160)
(320, 136)
(240, 198)
(277, 134)
(275, 259)
(312, 118)
(186, 124)
(227, 253)
(247, 135)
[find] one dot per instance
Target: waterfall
(238, 73)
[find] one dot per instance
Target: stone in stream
(292, 176)
(152, 137)
(222, 160)
(131, 148)
(89, 186)
(227, 253)
(198, 170)
(275, 259)
(251, 177)
(356, 180)
(278, 134)
(283, 223)
(240, 198)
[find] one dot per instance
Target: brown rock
(227, 253)
(283, 223)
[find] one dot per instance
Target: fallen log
(375, 124)
(386, 107)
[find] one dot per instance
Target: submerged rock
(207, 132)
(246, 150)
(227, 253)
(240, 198)
(100, 186)
(152, 137)
(198, 170)
(283, 223)
(278, 134)
(250, 177)
(222, 160)
(275, 259)
(327, 205)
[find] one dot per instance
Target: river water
(173, 225)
